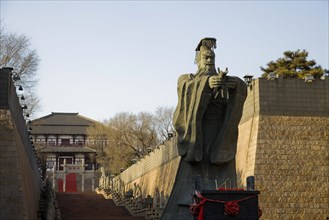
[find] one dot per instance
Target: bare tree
(136, 132)
(129, 137)
(116, 153)
(16, 52)
(98, 136)
(144, 133)
(163, 122)
(98, 139)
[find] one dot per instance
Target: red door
(71, 182)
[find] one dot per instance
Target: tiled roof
(61, 123)
(69, 130)
(59, 118)
(67, 150)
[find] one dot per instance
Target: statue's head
(205, 56)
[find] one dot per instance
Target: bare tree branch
(16, 52)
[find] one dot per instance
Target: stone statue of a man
(206, 120)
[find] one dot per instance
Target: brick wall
(19, 188)
(292, 167)
(152, 175)
(20, 180)
(284, 143)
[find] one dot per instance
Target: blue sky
(100, 58)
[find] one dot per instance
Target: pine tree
(294, 64)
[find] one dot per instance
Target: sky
(100, 58)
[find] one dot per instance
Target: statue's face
(206, 60)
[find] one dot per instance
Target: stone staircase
(85, 206)
(136, 206)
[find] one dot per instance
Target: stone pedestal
(247, 202)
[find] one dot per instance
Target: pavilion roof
(61, 123)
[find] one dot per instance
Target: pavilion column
(64, 179)
(83, 176)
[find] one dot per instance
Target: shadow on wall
(153, 175)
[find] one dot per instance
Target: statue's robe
(206, 122)
(197, 110)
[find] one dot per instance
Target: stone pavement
(85, 206)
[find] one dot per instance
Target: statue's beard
(207, 70)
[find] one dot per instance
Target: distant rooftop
(67, 150)
(61, 123)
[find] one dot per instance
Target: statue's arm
(227, 139)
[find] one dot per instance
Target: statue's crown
(207, 42)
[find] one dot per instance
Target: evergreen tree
(294, 64)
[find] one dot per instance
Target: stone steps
(85, 206)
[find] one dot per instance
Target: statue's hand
(215, 81)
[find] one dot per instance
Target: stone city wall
(292, 167)
(153, 175)
(283, 142)
(19, 185)
(20, 179)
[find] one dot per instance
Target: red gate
(71, 183)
